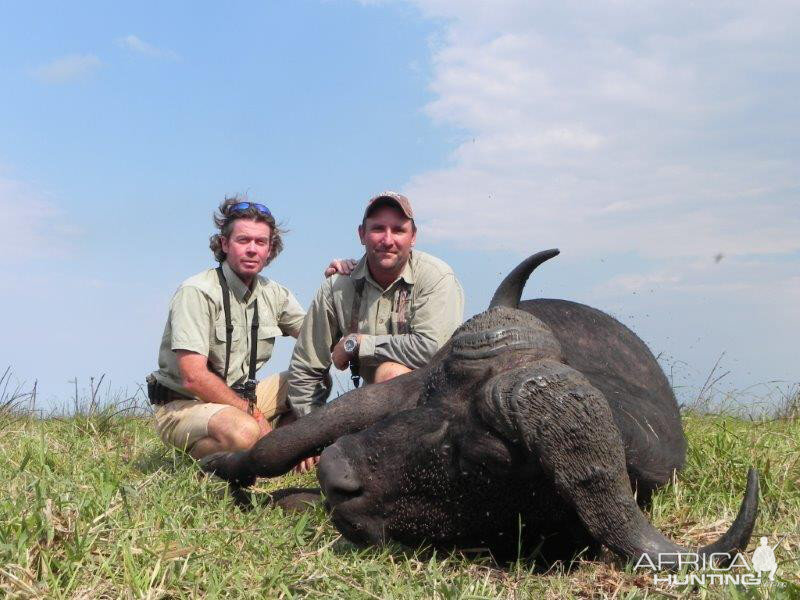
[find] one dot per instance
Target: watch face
(349, 345)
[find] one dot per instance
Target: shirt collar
(238, 288)
(407, 274)
(362, 272)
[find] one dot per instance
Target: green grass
(94, 506)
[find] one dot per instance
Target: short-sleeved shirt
(196, 323)
(433, 310)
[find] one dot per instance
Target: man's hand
(263, 424)
(343, 266)
(339, 357)
(307, 465)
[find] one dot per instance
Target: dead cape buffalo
(539, 425)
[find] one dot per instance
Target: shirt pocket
(220, 333)
(216, 354)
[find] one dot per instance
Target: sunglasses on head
(242, 206)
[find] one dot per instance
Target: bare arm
(203, 383)
(208, 387)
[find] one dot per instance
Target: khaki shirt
(196, 323)
(434, 309)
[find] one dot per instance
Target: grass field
(94, 506)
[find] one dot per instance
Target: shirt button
(381, 321)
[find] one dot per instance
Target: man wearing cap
(395, 310)
(221, 329)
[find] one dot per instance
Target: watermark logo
(718, 568)
(764, 559)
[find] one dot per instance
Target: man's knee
(271, 394)
(234, 429)
(389, 370)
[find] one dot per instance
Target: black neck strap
(253, 340)
(226, 306)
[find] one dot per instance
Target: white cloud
(67, 68)
(652, 137)
(637, 282)
(136, 44)
(657, 128)
(37, 228)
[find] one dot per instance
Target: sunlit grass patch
(95, 506)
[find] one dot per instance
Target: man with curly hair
(208, 358)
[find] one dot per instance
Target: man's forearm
(208, 387)
(411, 350)
(438, 314)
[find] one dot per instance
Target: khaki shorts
(181, 423)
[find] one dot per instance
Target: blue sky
(655, 143)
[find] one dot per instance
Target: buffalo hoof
(224, 466)
(242, 498)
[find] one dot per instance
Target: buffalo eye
(435, 438)
(487, 452)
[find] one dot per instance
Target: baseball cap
(393, 198)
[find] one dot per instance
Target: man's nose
(387, 239)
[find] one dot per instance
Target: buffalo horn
(643, 538)
(276, 453)
(509, 291)
(556, 414)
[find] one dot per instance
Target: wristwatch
(351, 344)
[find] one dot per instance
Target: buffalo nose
(336, 475)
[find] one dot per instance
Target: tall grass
(13, 401)
(94, 506)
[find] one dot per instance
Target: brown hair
(224, 220)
